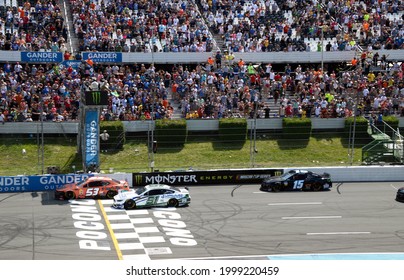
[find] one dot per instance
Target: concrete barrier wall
(10, 184)
(361, 173)
(257, 57)
(143, 126)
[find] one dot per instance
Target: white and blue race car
(153, 195)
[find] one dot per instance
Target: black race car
(400, 195)
(297, 180)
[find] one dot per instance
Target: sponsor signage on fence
(205, 177)
(38, 183)
(75, 64)
(96, 98)
(42, 57)
(103, 57)
(92, 135)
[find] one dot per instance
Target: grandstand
(175, 39)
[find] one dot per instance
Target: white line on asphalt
(312, 217)
(393, 186)
(295, 203)
(342, 233)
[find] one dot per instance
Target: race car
(400, 195)
(151, 196)
(297, 180)
(92, 187)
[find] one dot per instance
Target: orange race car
(92, 187)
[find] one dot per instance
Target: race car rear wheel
(317, 187)
(110, 194)
(70, 195)
(129, 204)
(172, 202)
(276, 188)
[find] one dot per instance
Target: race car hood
(274, 179)
(124, 194)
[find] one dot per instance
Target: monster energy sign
(205, 177)
(96, 98)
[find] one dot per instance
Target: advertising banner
(75, 64)
(96, 98)
(42, 57)
(103, 57)
(92, 136)
(10, 184)
(205, 177)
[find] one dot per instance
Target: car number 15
(298, 184)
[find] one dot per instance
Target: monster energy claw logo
(138, 179)
(96, 95)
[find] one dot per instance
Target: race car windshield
(140, 190)
(287, 176)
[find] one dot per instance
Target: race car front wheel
(317, 187)
(70, 195)
(276, 188)
(172, 202)
(129, 204)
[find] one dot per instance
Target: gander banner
(42, 57)
(10, 184)
(92, 136)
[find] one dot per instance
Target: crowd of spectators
(38, 27)
(140, 26)
(215, 89)
(287, 25)
(219, 88)
(182, 26)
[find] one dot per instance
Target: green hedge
(233, 130)
(296, 128)
(392, 121)
(170, 132)
(116, 133)
(361, 129)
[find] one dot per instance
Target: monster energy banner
(92, 136)
(96, 98)
(205, 177)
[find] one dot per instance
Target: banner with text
(9, 184)
(42, 57)
(205, 177)
(103, 57)
(92, 135)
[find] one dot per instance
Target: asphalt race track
(224, 222)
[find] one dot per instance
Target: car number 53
(92, 191)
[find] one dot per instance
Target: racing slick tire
(172, 203)
(70, 195)
(110, 194)
(129, 204)
(276, 188)
(317, 187)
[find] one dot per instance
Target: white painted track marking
(295, 203)
(313, 217)
(338, 233)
